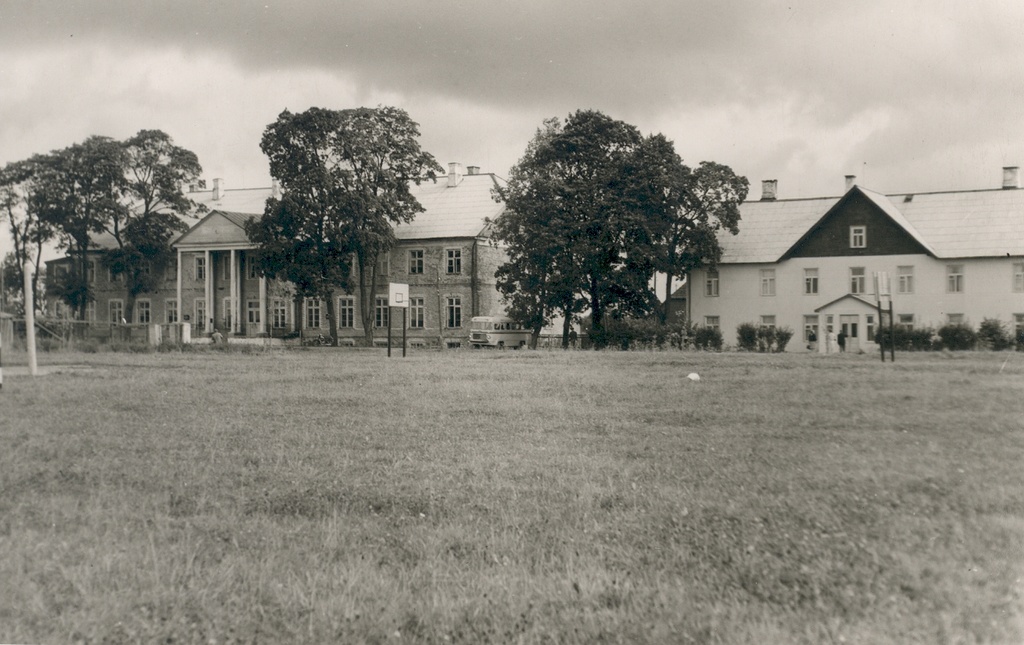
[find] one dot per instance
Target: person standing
(842, 340)
(830, 341)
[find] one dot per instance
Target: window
(454, 312)
(380, 313)
(228, 310)
(905, 321)
(116, 309)
(200, 267)
(250, 268)
(858, 237)
(171, 272)
(171, 310)
(416, 261)
(346, 312)
(1018, 276)
(954, 278)
(90, 272)
(384, 264)
(200, 309)
(90, 311)
(905, 277)
(810, 281)
(858, 280)
(417, 312)
(225, 266)
(1018, 325)
(312, 312)
(955, 319)
(768, 321)
(146, 267)
(767, 282)
(252, 311)
(143, 312)
(714, 322)
(810, 328)
(279, 314)
(711, 283)
(454, 260)
(870, 320)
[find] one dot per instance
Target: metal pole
(404, 309)
(892, 333)
(389, 330)
(881, 328)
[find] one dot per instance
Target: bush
(994, 335)
(754, 338)
(707, 338)
(958, 337)
(746, 337)
(908, 340)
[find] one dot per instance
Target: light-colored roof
(980, 223)
(217, 228)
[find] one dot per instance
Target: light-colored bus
(497, 331)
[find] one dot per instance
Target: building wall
(988, 292)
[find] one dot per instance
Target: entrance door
(849, 325)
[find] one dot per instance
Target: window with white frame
(954, 278)
(417, 313)
(116, 310)
(711, 283)
(905, 321)
(143, 312)
(346, 312)
(380, 312)
(858, 237)
(312, 313)
(768, 321)
(252, 312)
(171, 310)
(200, 267)
(956, 319)
(905, 279)
(858, 280)
(90, 311)
(1018, 276)
(810, 282)
(454, 312)
(199, 306)
(384, 264)
(713, 322)
(811, 328)
(454, 260)
(416, 261)
(250, 268)
(767, 282)
(279, 313)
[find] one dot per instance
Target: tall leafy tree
(345, 177)
(29, 232)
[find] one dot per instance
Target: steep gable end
(861, 223)
(218, 228)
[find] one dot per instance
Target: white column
(181, 312)
(234, 293)
(208, 323)
(263, 305)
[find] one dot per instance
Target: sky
(910, 96)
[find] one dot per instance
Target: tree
(345, 177)
(28, 231)
(153, 210)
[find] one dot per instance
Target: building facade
(810, 264)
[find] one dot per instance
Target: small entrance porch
(853, 320)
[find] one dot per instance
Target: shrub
(908, 340)
(958, 337)
(707, 338)
(754, 338)
(746, 337)
(994, 335)
(782, 338)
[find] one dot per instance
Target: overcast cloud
(909, 96)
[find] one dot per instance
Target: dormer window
(858, 237)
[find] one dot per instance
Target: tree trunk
(668, 298)
(367, 306)
(566, 329)
(596, 315)
(332, 321)
(534, 336)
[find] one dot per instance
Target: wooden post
(389, 330)
(404, 309)
(30, 319)
(881, 328)
(892, 334)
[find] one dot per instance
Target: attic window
(908, 198)
(858, 237)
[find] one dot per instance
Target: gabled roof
(849, 296)
(981, 223)
(217, 228)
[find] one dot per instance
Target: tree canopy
(18, 185)
(344, 177)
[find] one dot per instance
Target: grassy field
(339, 496)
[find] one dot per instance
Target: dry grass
(326, 495)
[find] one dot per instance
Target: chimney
(472, 170)
(275, 189)
(1011, 177)
(768, 189)
(454, 174)
(851, 181)
(218, 189)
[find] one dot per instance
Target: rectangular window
(90, 311)
(711, 283)
(810, 282)
(200, 267)
(714, 322)
(454, 260)
(416, 261)
(90, 272)
(312, 313)
(384, 264)
(227, 313)
(454, 312)
(1018, 276)
(380, 313)
(116, 309)
(417, 311)
(858, 237)
(810, 329)
(767, 282)
(279, 314)
(225, 266)
(250, 268)
(1018, 325)
(171, 272)
(346, 312)
(146, 267)
(858, 280)
(906, 321)
(954, 278)
(767, 321)
(252, 312)
(171, 310)
(956, 319)
(143, 312)
(870, 320)
(200, 310)
(905, 275)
